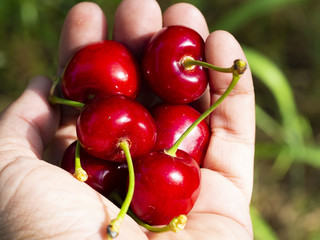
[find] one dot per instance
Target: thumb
(29, 123)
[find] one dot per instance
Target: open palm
(38, 200)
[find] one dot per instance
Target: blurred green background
(281, 39)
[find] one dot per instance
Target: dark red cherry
(106, 121)
(105, 67)
(165, 186)
(103, 176)
(163, 69)
(172, 120)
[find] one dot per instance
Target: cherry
(105, 67)
(103, 176)
(172, 120)
(165, 186)
(163, 67)
(104, 122)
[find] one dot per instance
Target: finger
(84, 24)
(134, 25)
(219, 196)
(231, 147)
(187, 15)
(30, 122)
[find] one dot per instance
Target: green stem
(237, 69)
(175, 225)
(54, 85)
(114, 227)
(57, 100)
(79, 172)
(189, 62)
(150, 228)
(77, 162)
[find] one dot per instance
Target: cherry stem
(189, 63)
(79, 172)
(176, 224)
(54, 85)
(57, 100)
(237, 70)
(238, 67)
(114, 226)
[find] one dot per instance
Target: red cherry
(106, 121)
(163, 69)
(165, 186)
(103, 176)
(172, 120)
(105, 67)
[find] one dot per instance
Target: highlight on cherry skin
(103, 68)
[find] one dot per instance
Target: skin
(38, 200)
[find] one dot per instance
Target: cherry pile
(144, 157)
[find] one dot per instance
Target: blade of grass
(282, 163)
(276, 81)
(239, 16)
(295, 127)
(270, 126)
(268, 150)
(29, 13)
(261, 229)
(308, 154)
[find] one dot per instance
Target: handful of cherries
(151, 155)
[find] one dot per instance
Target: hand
(39, 200)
